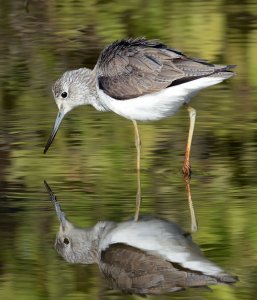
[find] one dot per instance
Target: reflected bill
(150, 256)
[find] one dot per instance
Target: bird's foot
(186, 169)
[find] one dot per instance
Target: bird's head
(69, 91)
(75, 245)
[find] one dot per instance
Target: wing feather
(131, 68)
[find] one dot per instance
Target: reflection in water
(92, 172)
(194, 226)
(150, 256)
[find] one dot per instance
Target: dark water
(91, 164)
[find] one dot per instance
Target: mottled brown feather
(135, 271)
(131, 68)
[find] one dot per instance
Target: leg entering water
(138, 147)
(186, 166)
(194, 226)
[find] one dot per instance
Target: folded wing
(131, 68)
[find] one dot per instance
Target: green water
(91, 164)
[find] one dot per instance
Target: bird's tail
(224, 72)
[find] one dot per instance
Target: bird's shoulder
(132, 47)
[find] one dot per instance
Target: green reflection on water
(92, 161)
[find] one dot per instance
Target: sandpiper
(141, 80)
(150, 256)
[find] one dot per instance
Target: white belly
(158, 105)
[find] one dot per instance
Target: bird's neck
(94, 99)
(96, 103)
(101, 230)
(90, 240)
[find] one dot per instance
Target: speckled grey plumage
(132, 269)
(131, 68)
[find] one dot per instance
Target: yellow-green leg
(186, 165)
(194, 226)
(138, 147)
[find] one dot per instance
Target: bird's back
(132, 68)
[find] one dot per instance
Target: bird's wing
(137, 272)
(135, 67)
(164, 239)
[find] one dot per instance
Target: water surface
(91, 164)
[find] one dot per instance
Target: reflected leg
(138, 147)
(186, 166)
(194, 226)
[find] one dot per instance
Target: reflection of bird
(145, 257)
(139, 79)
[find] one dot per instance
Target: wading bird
(141, 80)
(150, 256)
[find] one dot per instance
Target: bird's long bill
(60, 214)
(57, 123)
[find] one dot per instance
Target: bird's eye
(64, 94)
(66, 241)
